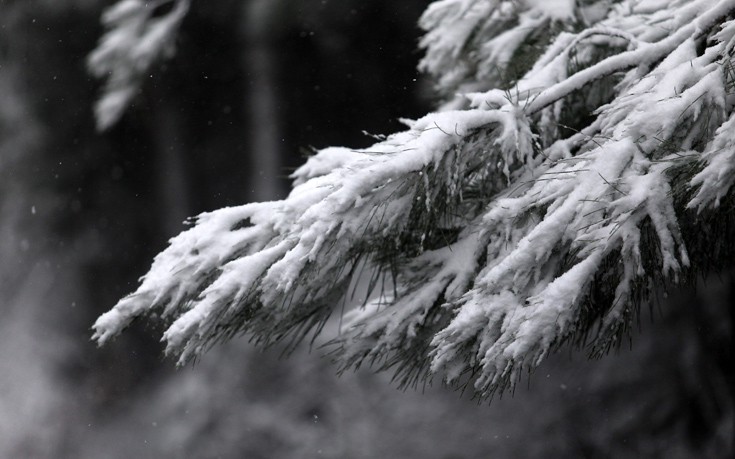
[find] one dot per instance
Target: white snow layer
(513, 281)
(557, 9)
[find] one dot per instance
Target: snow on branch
(138, 35)
(540, 212)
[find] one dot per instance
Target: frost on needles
(583, 157)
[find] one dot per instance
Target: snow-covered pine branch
(138, 35)
(536, 208)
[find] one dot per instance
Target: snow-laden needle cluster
(541, 204)
(139, 34)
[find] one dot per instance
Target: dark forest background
(254, 86)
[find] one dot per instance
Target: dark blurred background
(254, 86)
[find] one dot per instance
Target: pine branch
(139, 34)
(529, 216)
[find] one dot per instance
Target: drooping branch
(499, 237)
(139, 34)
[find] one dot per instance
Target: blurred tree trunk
(171, 165)
(262, 99)
(39, 279)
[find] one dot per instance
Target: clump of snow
(557, 9)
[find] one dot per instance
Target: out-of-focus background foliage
(253, 86)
